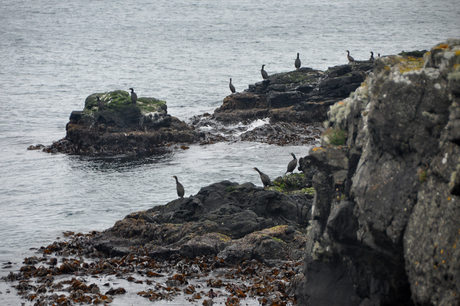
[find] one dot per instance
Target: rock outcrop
(295, 103)
(225, 219)
(386, 215)
(113, 125)
(302, 96)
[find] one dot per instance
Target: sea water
(53, 54)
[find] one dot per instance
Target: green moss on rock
(119, 100)
(415, 53)
(291, 184)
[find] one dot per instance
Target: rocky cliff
(386, 216)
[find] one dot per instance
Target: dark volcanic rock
(385, 222)
(304, 95)
(114, 125)
(225, 219)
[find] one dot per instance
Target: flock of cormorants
(297, 64)
(351, 59)
(263, 177)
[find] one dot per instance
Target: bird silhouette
(232, 88)
(297, 62)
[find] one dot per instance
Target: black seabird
(297, 62)
(264, 73)
(100, 103)
(264, 178)
(179, 188)
(292, 164)
(232, 88)
(350, 59)
(133, 96)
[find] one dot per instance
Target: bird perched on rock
(372, 56)
(100, 103)
(179, 188)
(350, 59)
(133, 96)
(264, 73)
(292, 164)
(297, 62)
(232, 88)
(264, 178)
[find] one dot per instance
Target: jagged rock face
(401, 182)
(225, 219)
(303, 95)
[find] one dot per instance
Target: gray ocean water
(53, 54)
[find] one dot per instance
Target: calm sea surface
(53, 54)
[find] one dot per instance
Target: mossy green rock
(120, 100)
(292, 184)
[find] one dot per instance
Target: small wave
(217, 128)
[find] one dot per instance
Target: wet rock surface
(227, 243)
(73, 272)
(225, 219)
(114, 125)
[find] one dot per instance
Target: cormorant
(179, 187)
(350, 59)
(232, 88)
(292, 164)
(264, 178)
(133, 96)
(372, 56)
(297, 62)
(100, 103)
(264, 73)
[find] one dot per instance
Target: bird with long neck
(264, 73)
(350, 59)
(297, 62)
(179, 188)
(264, 178)
(133, 96)
(292, 164)
(372, 56)
(232, 88)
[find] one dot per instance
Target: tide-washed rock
(390, 239)
(113, 125)
(303, 95)
(224, 219)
